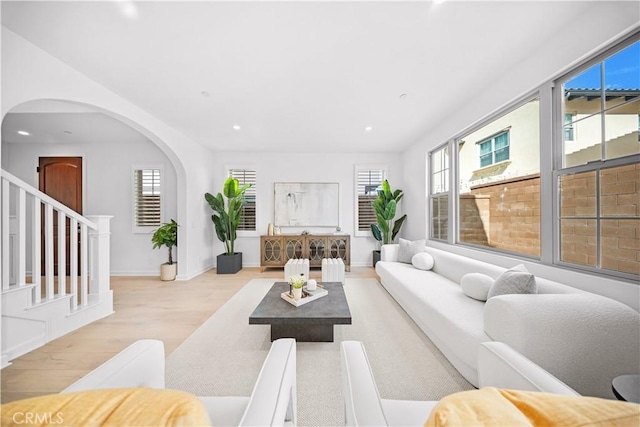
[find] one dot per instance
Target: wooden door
(61, 179)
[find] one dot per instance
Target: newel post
(99, 247)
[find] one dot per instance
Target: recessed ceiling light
(368, 129)
(236, 127)
(24, 132)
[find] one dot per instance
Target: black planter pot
(376, 257)
(229, 264)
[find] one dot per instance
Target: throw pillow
(116, 407)
(407, 249)
(514, 281)
(493, 406)
(476, 285)
(422, 261)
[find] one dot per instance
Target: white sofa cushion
(422, 261)
(408, 249)
(476, 285)
(513, 281)
(441, 310)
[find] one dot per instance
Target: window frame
(228, 169)
(459, 139)
(552, 122)
(431, 195)
(146, 229)
(559, 168)
(356, 218)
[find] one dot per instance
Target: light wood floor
(145, 307)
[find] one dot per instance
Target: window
(598, 176)
(368, 182)
(494, 149)
(499, 204)
(248, 213)
(147, 197)
(606, 101)
(555, 176)
(439, 193)
(568, 126)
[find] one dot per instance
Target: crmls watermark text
(38, 418)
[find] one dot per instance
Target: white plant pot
(168, 271)
(297, 293)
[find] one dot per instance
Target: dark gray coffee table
(310, 322)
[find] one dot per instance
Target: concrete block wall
(509, 213)
(619, 237)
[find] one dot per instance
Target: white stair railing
(28, 213)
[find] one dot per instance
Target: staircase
(43, 303)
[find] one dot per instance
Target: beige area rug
(223, 357)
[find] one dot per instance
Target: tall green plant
(227, 216)
(166, 235)
(385, 207)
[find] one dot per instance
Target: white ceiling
(303, 76)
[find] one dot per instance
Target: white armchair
(272, 402)
(498, 366)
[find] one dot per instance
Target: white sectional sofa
(582, 338)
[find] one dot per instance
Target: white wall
(598, 27)
(107, 191)
(29, 73)
(298, 167)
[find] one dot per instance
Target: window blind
(147, 197)
(248, 213)
(368, 183)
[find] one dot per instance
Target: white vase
(297, 293)
(312, 284)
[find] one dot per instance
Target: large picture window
(499, 197)
(598, 176)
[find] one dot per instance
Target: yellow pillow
(497, 407)
(108, 407)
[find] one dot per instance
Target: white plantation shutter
(147, 197)
(248, 214)
(369, 181)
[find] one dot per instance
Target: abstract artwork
(306, 204)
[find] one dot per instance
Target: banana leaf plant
(227, 212)
(385, 207)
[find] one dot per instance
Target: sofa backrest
(454, 266)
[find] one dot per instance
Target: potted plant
(167, 235)
(386, 230)
(295, 284)
(226, 219)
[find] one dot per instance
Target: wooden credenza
(275, 251)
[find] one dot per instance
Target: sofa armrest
(362, 400)
(273, 400)
(501, 366)
(139, 365)
(585, 340)
(389, 252)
